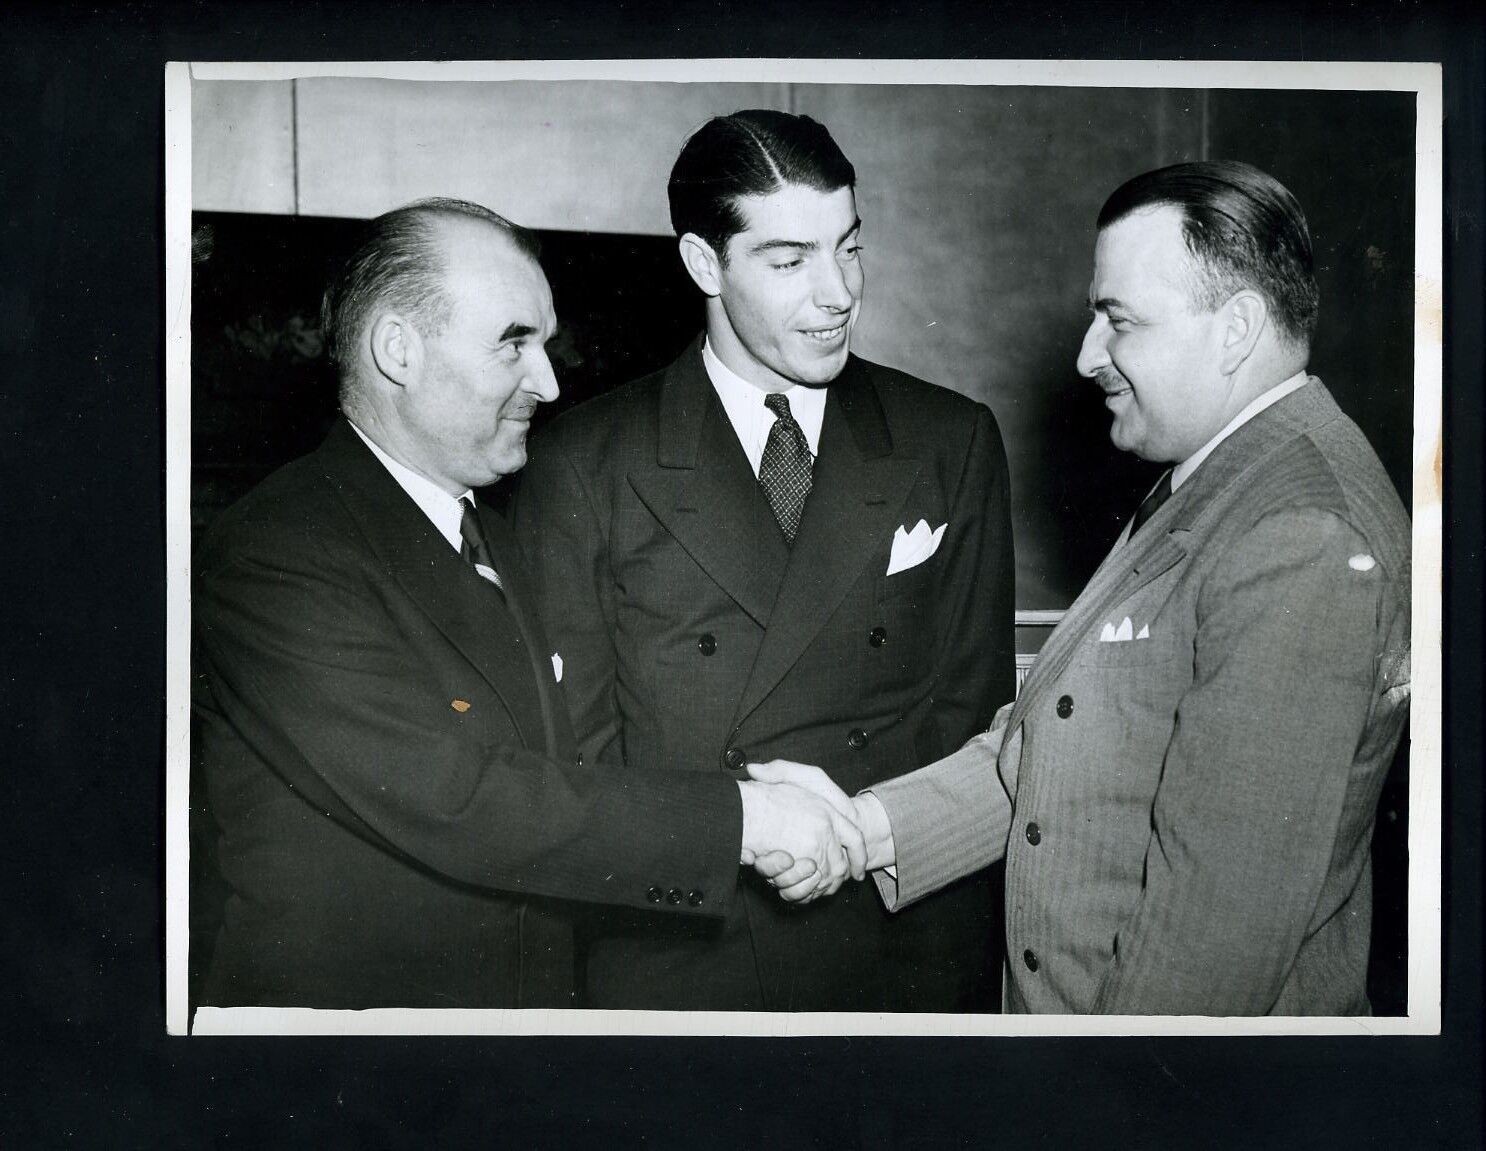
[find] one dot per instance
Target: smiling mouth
(825, 335)
(1112, 384)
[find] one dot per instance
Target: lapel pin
(460, 705)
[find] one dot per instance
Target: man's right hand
(783, 820)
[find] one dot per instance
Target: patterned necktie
(784, 471)
(1151, 504)
(474, 549)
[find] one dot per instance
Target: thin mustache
(1110, 380)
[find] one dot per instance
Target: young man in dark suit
(401, 803)
(776, 548)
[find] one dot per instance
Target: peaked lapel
(703, 492)
(465, 609)
(1170, 534)
(857, 493)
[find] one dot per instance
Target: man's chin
(823, 371)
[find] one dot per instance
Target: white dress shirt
(744, 404)
(443, 510)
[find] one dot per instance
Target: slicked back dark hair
(1244, 230)
(399, 263)
(751, 153)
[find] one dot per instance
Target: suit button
(877, 636)
(857, 739)
(653, 894)
(734, 758)
(707, 644)
(694, 898)
(1034, 834)
(673, 896)
(1029, 957)
(1065, 706)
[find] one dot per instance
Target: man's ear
(396, 348)
(1245, 316)
(702, 264)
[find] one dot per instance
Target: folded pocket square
(911, 548)
(1124, 632)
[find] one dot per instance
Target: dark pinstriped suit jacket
(1186, 818)
(695, 639)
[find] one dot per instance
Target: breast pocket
(914, 585)
(1129, 653)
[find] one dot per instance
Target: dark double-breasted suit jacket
(694, 638)
(402, 817)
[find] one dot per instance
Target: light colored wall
(578, 156)
(242, 146)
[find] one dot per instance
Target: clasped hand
(800, 831)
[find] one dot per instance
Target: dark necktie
(1151, 504)
(474, 549)
(784, 470)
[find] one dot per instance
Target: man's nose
(540, 380)
(1093, 354)
(832, 289)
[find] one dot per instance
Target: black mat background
(85, 1060)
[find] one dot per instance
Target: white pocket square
(911, 548)
(1124, 632)
(557, 667)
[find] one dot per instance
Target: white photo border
(1425, 903)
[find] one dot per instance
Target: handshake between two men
(805, 835)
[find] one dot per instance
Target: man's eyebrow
(517, 331)
(1107, 303)
(802, 245)
(771, 245)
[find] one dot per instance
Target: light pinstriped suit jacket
(1187, 818)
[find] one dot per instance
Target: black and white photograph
(796, 548)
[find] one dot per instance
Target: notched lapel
(457, 601)
(856, 500)
(702, 491)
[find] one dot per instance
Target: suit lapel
(465, 609)
(520, 602)
(703, 492)
(1168, 536)
(856, 496)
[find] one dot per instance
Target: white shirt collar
(1183, 471)
(443, 510)
(744, 404)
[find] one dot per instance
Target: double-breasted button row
(673, 896)
(1029, 957)
(1065, 706)
(734, 759)
(707, 644)
(877, 636)
(1034, 834)
(856, 739)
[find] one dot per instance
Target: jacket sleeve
(948, 819)
(306, 665)
(565, 547)
(975, 657)
(1254, 788)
